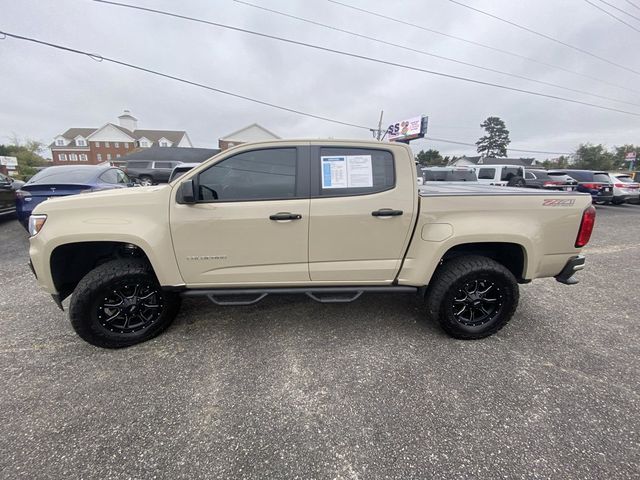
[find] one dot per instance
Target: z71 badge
(552, 202)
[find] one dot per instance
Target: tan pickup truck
(331, 219)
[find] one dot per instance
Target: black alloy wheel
(472, 296)
(477, 302)
(120, 303)
(130, 307)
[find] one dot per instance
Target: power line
(632, 4)
(424, 52)
(101, 58)
(478, 44)
(442, 140)
(620, 10)
(612, 15)
(548, 37)
(367, 58)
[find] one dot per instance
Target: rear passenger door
(363, 204)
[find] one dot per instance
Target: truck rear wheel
(472, 297)
(120, 303)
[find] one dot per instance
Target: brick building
(95, 145)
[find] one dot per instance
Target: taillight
(21, 194)
(586, 227)
(591, 186)
(619, 185)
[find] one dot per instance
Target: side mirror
(187, 191)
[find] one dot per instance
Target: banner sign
(409, 129)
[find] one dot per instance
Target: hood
(107, 200)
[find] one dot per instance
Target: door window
(166, 165)
(486, 173)
(355, 171)
(255, 175)
(529, 176)
(110, 176)
(509, 172)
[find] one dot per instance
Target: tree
(429, 158)
(494, 143)
(28, 153)
(556, 163)
(594, 157)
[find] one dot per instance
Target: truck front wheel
(472, 296)
(120, 303)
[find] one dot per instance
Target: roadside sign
(10, 162)
(630, 156)
(409, 129)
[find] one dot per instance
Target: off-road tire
(452, 277)
(87, 303)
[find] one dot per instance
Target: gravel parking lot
(293, 389)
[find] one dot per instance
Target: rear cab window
(343, 171)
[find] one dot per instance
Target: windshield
(449, 176)
(624, 179)
(63, 175)
(601, 178)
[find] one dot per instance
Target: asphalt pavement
(293, 389)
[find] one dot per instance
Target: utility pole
(377, 132)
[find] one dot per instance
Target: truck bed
(456, 189)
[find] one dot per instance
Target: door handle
(387, 212)
(285, 216)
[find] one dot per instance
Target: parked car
(562, 177)
(59, 181)
(511, 175)
(598, 184)
(535, 178)
(624, 189)
(7, 196)
(333, 219)
(150, 172)
(449, 174)
(180, 170)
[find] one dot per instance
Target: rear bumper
(574, 265)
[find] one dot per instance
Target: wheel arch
(70, 262)
(511, 255)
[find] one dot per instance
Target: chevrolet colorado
(328, 218)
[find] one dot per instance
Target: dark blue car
(66, 180)
(596, 183)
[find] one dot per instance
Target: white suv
(511, 175)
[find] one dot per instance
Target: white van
(511, 175)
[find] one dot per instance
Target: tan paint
(337, 241)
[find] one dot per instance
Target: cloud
(43, 91)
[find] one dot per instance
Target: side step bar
(249, 296)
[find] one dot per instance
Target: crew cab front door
(249, 225)
(363, 208)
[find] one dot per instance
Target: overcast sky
(44, 91)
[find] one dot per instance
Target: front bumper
(574, 265)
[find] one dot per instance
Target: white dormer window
(60, 142)
(144, 143)
(164, 143)
(81, 142)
